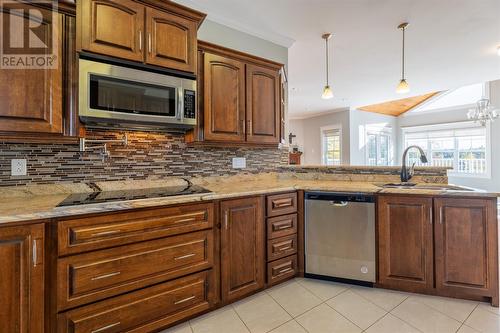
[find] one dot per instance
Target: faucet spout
(407, 173)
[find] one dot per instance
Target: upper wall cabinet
(34, 101)
(140, 31)
(239, 98)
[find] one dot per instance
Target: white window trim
(322, 129)
(377, 131)
(414, 112)
(455, 125)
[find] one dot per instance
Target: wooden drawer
(281, 204)
(145, 310)
(112, 229)
(281, 226)
(93, 276)
(281, 269)
(281, 247)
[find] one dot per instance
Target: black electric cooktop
(134, 194)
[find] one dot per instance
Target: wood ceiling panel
(398, 107)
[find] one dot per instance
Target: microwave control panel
(189, 104)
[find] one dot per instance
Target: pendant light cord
(403, 56)
(327, 70)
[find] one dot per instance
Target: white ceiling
(450, 43)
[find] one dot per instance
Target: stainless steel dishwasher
(340, 237)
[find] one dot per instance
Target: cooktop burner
(121, 195)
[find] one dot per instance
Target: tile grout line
(404, 321)
(354, 291)
(342, 314)
(463, 324)
(444, 314)
(238, 315)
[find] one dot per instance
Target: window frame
(454, 126)
(378, 132)
(323, 129)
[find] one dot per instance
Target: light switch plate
(18, 167)
(239, 162)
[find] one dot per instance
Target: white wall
(490, 184)
(359, 121)
(309, 135)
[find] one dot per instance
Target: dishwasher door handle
(339, 203)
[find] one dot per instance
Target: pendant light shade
(403, 86)
(327, 91)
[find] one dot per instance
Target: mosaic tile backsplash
(148, 155)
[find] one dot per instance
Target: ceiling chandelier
(483, 112)
(327, 91)
(403, 86)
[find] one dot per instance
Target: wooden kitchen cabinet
(242, 247)
(112, 27)
(170, 40)
(240, 99)
(31, 99)
(263, 105)
(224, 98)
(466, 247)
(405, 243)
(161, 34)
(22, 279)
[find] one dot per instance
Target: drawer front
(90, 277)
(145, 310)
(281, 247)
(103, 231)
(281, 226)
(281, 204)
(281, 269)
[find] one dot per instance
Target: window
(331, 145)
(463, 147)
(378, 147)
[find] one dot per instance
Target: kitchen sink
(412, 186)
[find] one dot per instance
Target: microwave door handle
(180, 105)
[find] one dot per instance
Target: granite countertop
(40, 202)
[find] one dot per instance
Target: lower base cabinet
(242, 247)
(22, 300)
(440, 246)
(145, 310)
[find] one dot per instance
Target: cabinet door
(224, 99)
(171, 41)
(466, 246)
(263, 105)
(114, 28)
(31, 99)
(242, 247)
(22, 279)
(405, 243)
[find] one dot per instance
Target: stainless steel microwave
(126, 97)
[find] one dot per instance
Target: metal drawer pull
(103, 233)
(184, 300)
(35, 253)
(189, 219)
(286, 270)
(284, 248)
(339, 203)
(282, 203)
(105, 276)
(185, 257)
(105, 327)
(281, 227)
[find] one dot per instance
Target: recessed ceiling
(450, 43)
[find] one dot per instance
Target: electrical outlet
(18, 167)
(239, 162)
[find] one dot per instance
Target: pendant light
(403, 86)
(327, 91)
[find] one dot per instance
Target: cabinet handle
(184, 300)
(281, 227)
(140, 40)
(104, 233)
(286, 270)
(105, 327)
(440, 215)
(188, 219)
(250, 127)
(243, 124)
(185, 257)
(35, 253)
(226, 220)
(105, 276)
(149, 42)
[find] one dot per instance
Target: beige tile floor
(312, 306)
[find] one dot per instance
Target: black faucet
(407, 173)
